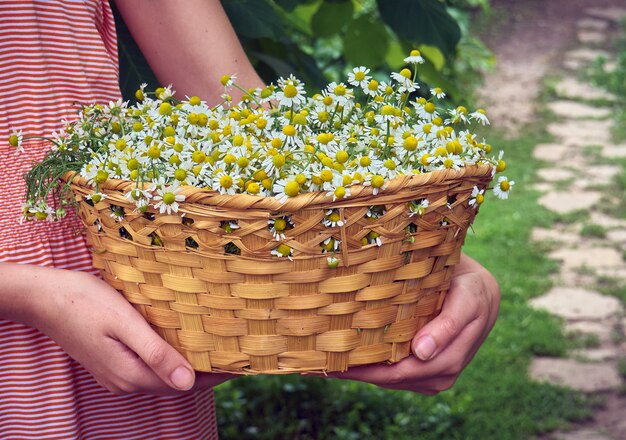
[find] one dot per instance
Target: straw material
(254, 312)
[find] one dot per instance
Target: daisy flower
(332, 219)
(414, 57)
(168, 197)
(477, 197)
(16, 139)
(502, 188)
(291, 92)
(359, 77)
(418, 207)
(332, 262)
(437, 92)
(480, 116)
(282, 250)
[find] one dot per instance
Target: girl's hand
(444, 346)
(97, 327)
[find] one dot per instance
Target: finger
(168, 364)
(463, 304)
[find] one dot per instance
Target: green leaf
(289, 5)
(366, 42)
(422, 22)
(253, 18)
(395, 55)
(331, 18)
(428, 74)
(434, 55)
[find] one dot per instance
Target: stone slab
(571, 88)
(583, 434)
(592, 24)
(613, 151)
(554, 235)
(582, 133)
(591, 37)
(617, 236)
(600, 329)
(564, 202)
(595, 354)
(613, 272)
(550, 152)
(577, 304)
(614, 14)
(602, 174)
(587, 377)
(577, 110)
(555, 174)
(587, 55)
(606, 221)
(592, 258)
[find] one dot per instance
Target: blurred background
(552, 76)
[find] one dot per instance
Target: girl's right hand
(97, 327)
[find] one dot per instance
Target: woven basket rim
(213, 198)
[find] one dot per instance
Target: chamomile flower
(333, 262)
(282, 250)
(16, 139)
(278, 226)
(477, 197)
(418, 207)
(291, 92)
(502, 188)
(332, 218)
(168, 198)
(480, 116)
(437, 93)
(359, 77)
(415, 57)
(228, 80)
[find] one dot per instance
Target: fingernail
(182, 378)
(425, 347)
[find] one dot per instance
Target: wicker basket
(259, 313)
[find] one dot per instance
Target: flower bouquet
(284, 233)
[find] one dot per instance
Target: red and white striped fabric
(52, 54)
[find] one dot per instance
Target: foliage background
(320, 40)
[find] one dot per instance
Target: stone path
(590, 251)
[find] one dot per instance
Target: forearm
(21, 291)
(189, 44)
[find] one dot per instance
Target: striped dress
(54, 53)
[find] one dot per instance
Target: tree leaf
(434, 55)
(290, 5)
(422, 22)
(365, 42)
(331, 18)
(253, 18)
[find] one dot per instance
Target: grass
(494, 397)
(593, 231)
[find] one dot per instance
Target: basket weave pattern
(258, 313)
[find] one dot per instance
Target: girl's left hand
(447, 344)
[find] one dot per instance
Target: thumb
(167, 363)
(460, 308)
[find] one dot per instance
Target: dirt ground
(528, 38)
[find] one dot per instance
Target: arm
(97, 327)
(444, 346)
(189, 44)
